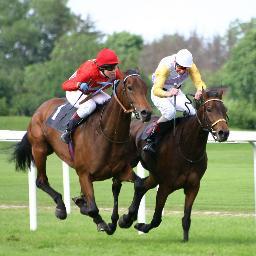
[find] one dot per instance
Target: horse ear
(137, 70)
(220, 94)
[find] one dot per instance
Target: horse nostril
(223, 134)
(226, 134)
(146, 115)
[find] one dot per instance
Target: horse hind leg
(40, 156)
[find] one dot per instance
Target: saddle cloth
(163, 128)
(61, 116)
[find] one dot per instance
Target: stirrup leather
(66, 136)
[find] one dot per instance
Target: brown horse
(180, 160)
(100, 146)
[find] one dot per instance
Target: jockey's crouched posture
(88, 79)
(167, 80)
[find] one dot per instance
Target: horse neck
(193, 137)
(114, 122)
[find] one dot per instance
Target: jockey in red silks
(87, 79)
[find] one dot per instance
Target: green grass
(14, 122)
(78, 236)
(226, 192)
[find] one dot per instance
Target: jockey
(87, 79)
(167, 80)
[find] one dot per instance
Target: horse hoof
(61, 213)
(142, 227)
(123, 223)
(111, 229)
(83, 210)
(101, 227)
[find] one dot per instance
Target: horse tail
(22, 154)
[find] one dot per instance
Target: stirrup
(149, 147)
(66, 136)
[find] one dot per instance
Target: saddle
(163, 128)
(61, 116)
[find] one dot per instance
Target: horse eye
(129, 88)
(208, 109)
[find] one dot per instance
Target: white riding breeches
(86, 108)
(166, 105)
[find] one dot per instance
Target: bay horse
(100, 146)
(180, 161)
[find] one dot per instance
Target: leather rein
(132, 109)
(208, 128)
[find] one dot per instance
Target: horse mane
(132, 71)
(214, 92)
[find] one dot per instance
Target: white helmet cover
(184, 58)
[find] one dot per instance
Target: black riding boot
(151, 139)
(159, 129)
(72, 124)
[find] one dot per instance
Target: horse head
(132, 95)
(212, 114)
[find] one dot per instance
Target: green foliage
(241, 114)
(239, 74)
(43, 81)
(3, 107)
(240, 70)
(128, 47)
(42, 43)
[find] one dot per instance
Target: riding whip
(105, 84)
(174, 119)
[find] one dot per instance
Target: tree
(42, 81)
(240, 70)
(127, 46)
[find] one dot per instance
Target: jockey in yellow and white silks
(168, 80)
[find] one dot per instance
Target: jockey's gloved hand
(84, 87)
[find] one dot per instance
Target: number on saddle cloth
(61, 116)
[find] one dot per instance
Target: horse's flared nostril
(146, 115)
(223, 135)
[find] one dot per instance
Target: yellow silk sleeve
(161, 74)
(196, 77)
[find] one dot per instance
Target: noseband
(209, 127)
(132, 109)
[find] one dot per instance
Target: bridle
(205, 123)
(132, 109)
(206, 126)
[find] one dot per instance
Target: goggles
(108, 67)
(180, 67)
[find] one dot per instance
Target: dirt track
(166, 212)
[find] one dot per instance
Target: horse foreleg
(141, 186)
(90, 208)
(161, 197)
(116, 187)
(42, 182)
(191, 194)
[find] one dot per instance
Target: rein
(188, 159)
(132, 109)
(115, 84)
(208, 128)
(106, 136)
